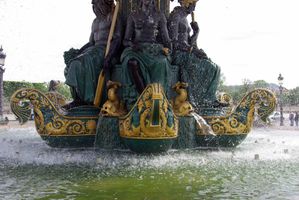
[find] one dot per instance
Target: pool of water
(264, 166)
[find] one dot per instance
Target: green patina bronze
(107, 136)
(148, 146)
(187, 133)
(83, 71)
(154, 67)
(202, 76)
(69, 141)
(156, 113)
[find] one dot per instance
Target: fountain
(30, 169)
(161, 92)
(264, 166)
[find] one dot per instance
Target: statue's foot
(73, 104)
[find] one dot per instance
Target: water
(264, 166)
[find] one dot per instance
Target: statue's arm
(164, 32)
(115, 44)
(91, 39)
(193, 38)
(117, 36)
(193, 42)
(128, 39)
(173, 27)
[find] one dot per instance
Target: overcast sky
(249, 39)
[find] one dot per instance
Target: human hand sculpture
(166, 51)
(194, 27)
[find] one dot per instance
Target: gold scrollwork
(224, 98)
(48, 120)
(57, 99)
(240, 120)
(152, 112)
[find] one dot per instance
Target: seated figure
(145, 59)
(196, 68)
(84, 66)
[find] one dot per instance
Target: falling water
(203, 125)
(29, 169)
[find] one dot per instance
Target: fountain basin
(155, 145)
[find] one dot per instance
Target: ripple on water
(31, 169)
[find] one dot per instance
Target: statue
(145, 59)
(84, 65)
(142, 82)
(196, 68)
(180, 104)
(113, 106)
(53, 85)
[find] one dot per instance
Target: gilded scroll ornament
(48, 119)
(240, 120)
(151, 117)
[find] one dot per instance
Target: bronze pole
(100, 86)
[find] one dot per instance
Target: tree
(10, 87)
(43, 87)
(65, 91)
(247, 86)
(221, 86)
(260, 84)
(292, 97)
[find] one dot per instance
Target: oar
(192, 17)
(101, 80)
(193, 20)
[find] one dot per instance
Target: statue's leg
(76, 96)
(199, 53)
(77, 101)
(138, 80)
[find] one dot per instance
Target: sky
(255, 40)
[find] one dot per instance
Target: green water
(31, 170)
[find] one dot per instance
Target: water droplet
(99, 160)
(256, 157)
(189, 188)
(286, 151)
